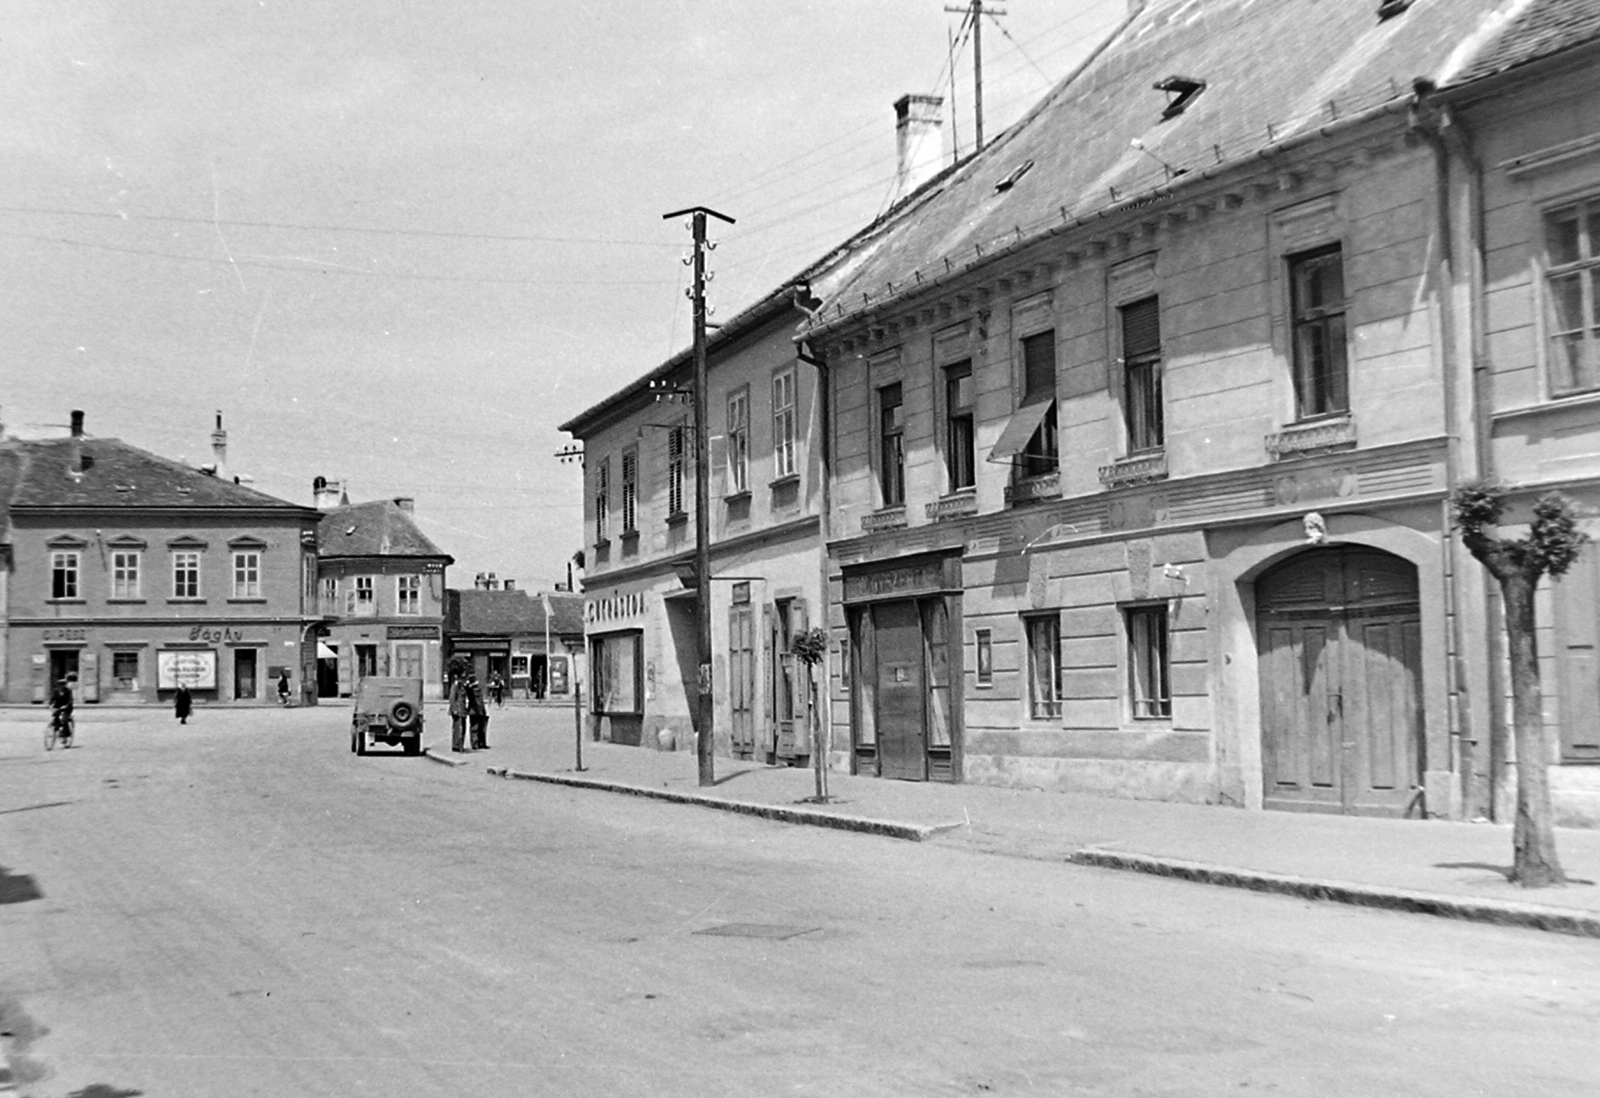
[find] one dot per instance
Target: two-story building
(532, 639)
(380, 590)
(131, 574)
(1145, 419)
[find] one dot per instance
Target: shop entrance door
(244, 672)
(742, 680)
(63, 663)
(1340, 641)
(902, 697)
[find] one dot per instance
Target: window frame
(983, 658)
(960, 422)
(247, 574)
(785, 443)
(126, 575)
(891, 446)
(180, 570)
(1044, 627)
(1149, 672)
(66, 575)
(677, 464)
(1042, 455)
(1329, 325)
(1584, 268)
(408, 591)
(602, 501)
(738, 445)
(630, 491)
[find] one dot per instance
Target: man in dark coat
(477, 714)
(182, 703)
(458, 712)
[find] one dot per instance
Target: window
(1141, 375)
(1044, 666)
(408, 596)
(408, 661)
(1572, 288)
(630, 492)
(330, 595)
(959, 458)
(64, 575)
(1316, 302)
(738, 442)
(985, 656)
(125, 574)
(125, 670)
(783, 423)
(1039, 382)
(1147, 662)
(614, 668)
(185, 575)
(892, 455)
(247, 575)
(366, 604)
(602, 502)
(676, 437)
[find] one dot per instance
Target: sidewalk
(1451, 869)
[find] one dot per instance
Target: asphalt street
(240, 907)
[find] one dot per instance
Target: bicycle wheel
(50, 734)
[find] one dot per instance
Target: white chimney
(408, 504)
(219, 449)
(918, 141)
(325, 493)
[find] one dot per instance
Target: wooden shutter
(1578, 649)
(1141, 328)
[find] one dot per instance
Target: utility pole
(976, 11)
(705, 741)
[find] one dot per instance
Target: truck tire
(401, 714)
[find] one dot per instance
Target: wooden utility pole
(976, 11)
(705, 741)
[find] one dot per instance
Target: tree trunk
(1533, 840)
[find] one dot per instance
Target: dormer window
(1181, 91)
(1011, 180)
(1387, 9)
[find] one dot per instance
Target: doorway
(742, 680)
(906, 710)
(244, 673)
(1339, 637)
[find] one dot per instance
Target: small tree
(810, 647)
(1552, 544)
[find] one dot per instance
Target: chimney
(77, 424)
(406, 504)
(480, 582)
(918, 142)
(491, 582)
(509, 585)
(75, 457)
(219, 449)
(325, 493)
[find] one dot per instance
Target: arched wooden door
(1340, 641)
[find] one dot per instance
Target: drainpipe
(1448, 139)
(824, 522)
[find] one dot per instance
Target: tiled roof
(113, 474)
(1530, 30)
(1273, 71)
(516, 612)
(377, 529)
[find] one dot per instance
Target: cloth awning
(1024, 422)
(326, 653)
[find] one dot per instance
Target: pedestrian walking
(182, 703)
(477, 714)
(497, 689)
(283, 688)
(458, 711)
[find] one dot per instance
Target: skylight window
(1181, 91)
(1011, 180)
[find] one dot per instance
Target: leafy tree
(1552, 543)
(810, 647)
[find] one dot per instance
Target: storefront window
(616, 662)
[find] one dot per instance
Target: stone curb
(1498, 912)
(429, 752)
(863, 824)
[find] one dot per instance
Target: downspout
(824, 521)
(1435, 125)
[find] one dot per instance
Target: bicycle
(59, 729)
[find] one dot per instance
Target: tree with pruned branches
(1549, 548)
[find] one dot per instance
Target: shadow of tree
(104, 1090)
(16, 888)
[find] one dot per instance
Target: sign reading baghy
(195, 669)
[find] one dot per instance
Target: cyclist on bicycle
(61, 710)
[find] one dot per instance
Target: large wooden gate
(1340, 642)
(742, 679)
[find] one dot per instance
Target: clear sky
(395, 242)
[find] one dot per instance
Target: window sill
(629, 536)
(1040, 486)
(602, 543)
(887, 518)
(1312, 436)
(258, 599)
(187, 602)
(955, 505)
(125, 602)
(1580, 398)
(67, 602)
(786, 479)
(737, 497)
(677, 518)
(1135, 469)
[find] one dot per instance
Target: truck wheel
(401, 714)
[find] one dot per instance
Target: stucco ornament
(1316, 528)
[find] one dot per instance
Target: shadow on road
(17, 888)
(104, 1090)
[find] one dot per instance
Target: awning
(326, 653)
(1024, 422)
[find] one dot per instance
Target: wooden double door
(1339, 635)
(906, 711)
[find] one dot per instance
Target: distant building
(532, 640)
(380, 592)
(132, 573)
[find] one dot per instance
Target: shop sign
(66, 633)
(413, 632)
(927, 577)
(221, 634)
(615, 608)
(195, 669)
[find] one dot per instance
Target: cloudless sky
(395, 242)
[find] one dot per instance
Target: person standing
(477, 714)
(182, 703)
(458, 712)
(283, 688)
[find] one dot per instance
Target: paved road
(241, 907)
